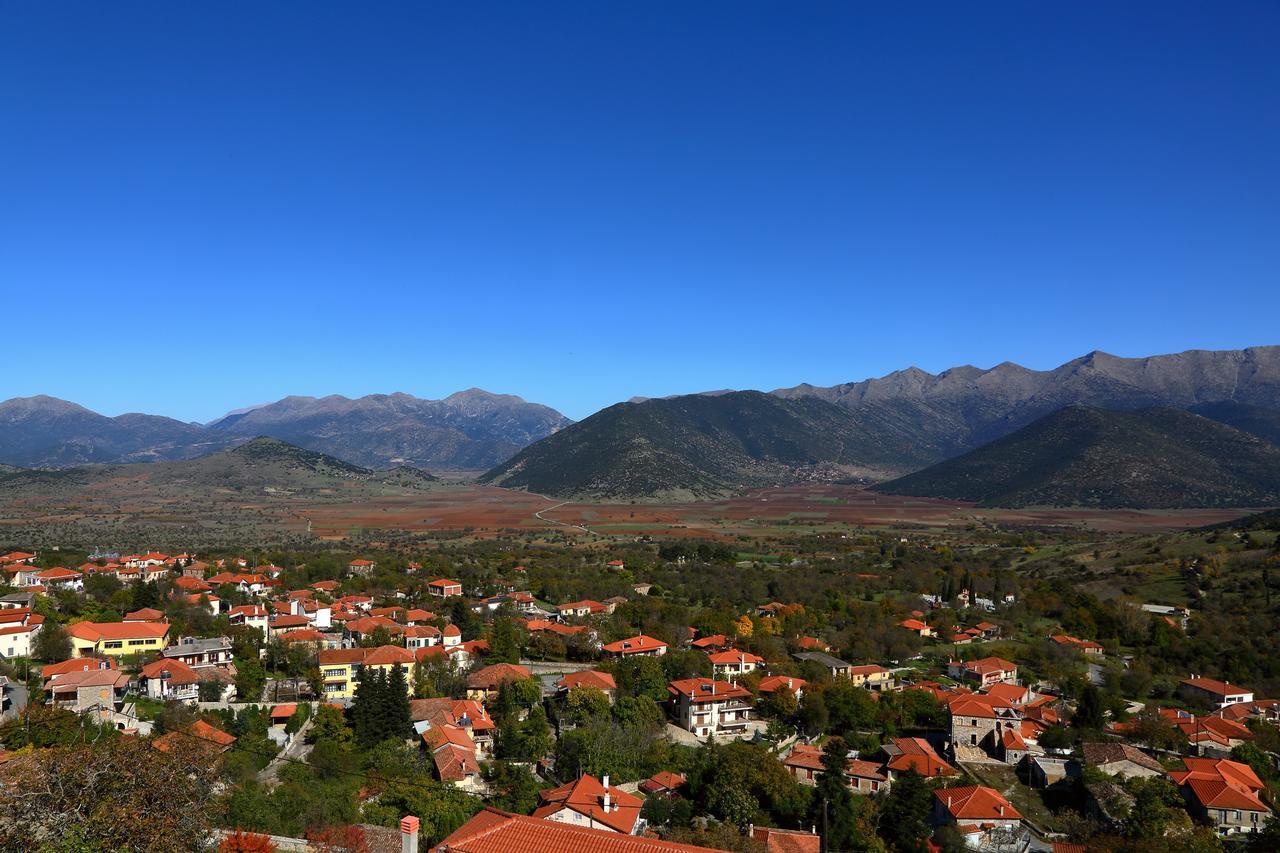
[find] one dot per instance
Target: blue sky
(204, 206)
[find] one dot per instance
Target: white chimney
(1000, 810)
(605, 782)
(409, 834)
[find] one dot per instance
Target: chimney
(1000, 810)
(409, 834)
(605, 782)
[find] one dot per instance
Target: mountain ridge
(471, 429)
(1154, 458)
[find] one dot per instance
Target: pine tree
(398, 716)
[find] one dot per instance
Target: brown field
(119, 505)
(487, 510)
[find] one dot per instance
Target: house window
(113, 644)
(139, 642)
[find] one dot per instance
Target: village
(499, 690)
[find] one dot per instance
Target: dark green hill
(1255, 420)
(1080, 456)
(701, 446)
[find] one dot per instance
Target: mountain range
(470, 430)
(711, 444)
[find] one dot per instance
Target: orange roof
(336, 657)
(781, 682)
(443, 582)
(361, 563)
(146, 614)
(733, 656)
(389, 656)
(1011, 694)
(1214, 686)
(977, 803)
(58, 573)
(917, 754)
(663, 780)
(586, 796)
(634, 645)
(83, 664)
(178, 672)
(786, 840)
(716, 640)
(495, 831)
(975, 706)
(490, 677)
(913, 624)
(706, 690)
(588, 678)
(95, 631)
(1221, 795)
(284, 711)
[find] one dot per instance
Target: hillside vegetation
(700, 446)
(1081, 456)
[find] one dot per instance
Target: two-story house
(705, 706)
(117, 638)
(734, 663)
(202, 652)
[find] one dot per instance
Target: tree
(1089, 713)
(399, 715)
(585, 704)
(904, 819)
(504, 642)
(330, 727)
(73, 797)
(833, 808)
(52, 643)
(250, 679)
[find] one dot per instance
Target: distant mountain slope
(966, 407)
(48, 431)
(1255, 420)
(470, 430)
(265, 465)
(1156, 458)
(700, 446)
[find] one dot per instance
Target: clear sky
(206, 206)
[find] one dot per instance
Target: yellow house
(339, 667)
(116, 638)
(872, 677)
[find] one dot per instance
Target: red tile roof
(771, 683)
(588, 678)
(786, 840)
(495, 831)
(586, 796)
(918, 755)
(95, 631)
(707, 690)
(976, 803)
(179, 672)
(634, 645)
(83, 664)
(494, 675)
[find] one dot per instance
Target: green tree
(52, 643)
(1089, 714)
(504, 642)
(398, 710)
(904, 819)
(250, 679)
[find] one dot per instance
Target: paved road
(298, 749)
(539, 515)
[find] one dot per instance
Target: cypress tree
(398, 704)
